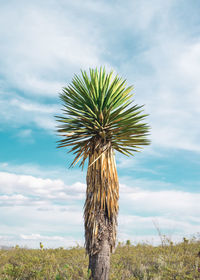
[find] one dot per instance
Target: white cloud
(175, 212)
(13, 199)
(52, 41)
(39, 55)
(173, 92)
(29, 106)
(174, 109)
(145, 229)
(160, 202)
(145, 14)
(49, 172)
(37, 188)
(25, 133)
(162, 60)
(37, 208)
(20, 111)
(46, 45)
(140, 199)
(53, 225)
(40, 237)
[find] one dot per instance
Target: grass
(142, 262)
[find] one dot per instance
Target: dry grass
(141, 262)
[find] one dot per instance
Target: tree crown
(99, 111)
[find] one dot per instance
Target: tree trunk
(99, 257)
(101, 209)
(99, 263)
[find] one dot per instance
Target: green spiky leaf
(98, 107)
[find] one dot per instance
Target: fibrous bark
(99, 263)
(101, 209)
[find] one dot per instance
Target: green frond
(99, 107)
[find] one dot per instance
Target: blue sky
(155, 45)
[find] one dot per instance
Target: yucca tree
(98, 118)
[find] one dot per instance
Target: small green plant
(41, 246)
(128, 242)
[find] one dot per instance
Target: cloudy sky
(155, 45)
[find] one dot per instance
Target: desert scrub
(145, 262)
(141, 262)
(55, 264)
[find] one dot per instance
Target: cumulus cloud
(163, 202)
(13, 199)
(37, 188)
(50, 205)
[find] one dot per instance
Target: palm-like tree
(98, 118)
